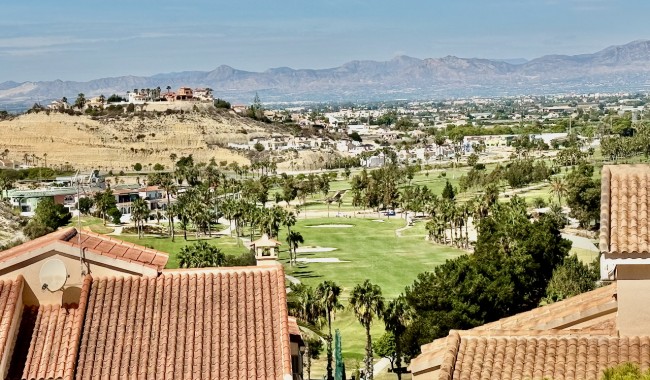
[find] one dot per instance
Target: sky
(83, 40)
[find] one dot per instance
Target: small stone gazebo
(266, 249)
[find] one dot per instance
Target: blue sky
(83, 40)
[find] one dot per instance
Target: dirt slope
(118, 143)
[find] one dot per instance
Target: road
(581, 242)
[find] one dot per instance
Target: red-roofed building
(577, 338)
(114, 312)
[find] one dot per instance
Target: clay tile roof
(188, 324)
(10, 293)
(592, 312)
(95, 243)
(37, 243)
(548, 355)
(624, 217)
(265, 241)
(293, 326)
(107, 246)
(48, 340)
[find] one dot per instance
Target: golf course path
(292, 279)
(116, 231)
(581, 242)
(380, 366)
(398, 231)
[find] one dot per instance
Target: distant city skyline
(79, 40)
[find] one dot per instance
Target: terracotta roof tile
(53, 333)
(591, 312)
(95, 243)
(114, 248)
(37, 243)
(199, 324)
(293, 326)
(624, 209)
(10, 294)
(553, 356)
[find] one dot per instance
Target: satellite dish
(53, 275)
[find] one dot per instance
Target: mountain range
(616, 68)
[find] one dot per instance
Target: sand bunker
(322, 260)
(315, 249)
(378, 220)
(331, 226)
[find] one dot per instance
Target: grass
(372, 251)
(585, 255)
(94, 224)
(227, 244)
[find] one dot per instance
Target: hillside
(118, 143)
(10, 225)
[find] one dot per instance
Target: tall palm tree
(294, 239)
(328, 293)
(289, 220)
(396, 317)
(139, 214)
(167, 183)
(558, 187)
(367, 303)
(273, 219)
(182, 209)
(304, 305)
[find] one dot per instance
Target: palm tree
(328, 293)
(80, 101)
(200, 255)
(367, 303)
(181, 210)
(304, 305)
(272, 220)
(289, 220)
(139, 214)
(294, 238)
(396, 318)
(5, 184)
(166, 182)
(558, 187)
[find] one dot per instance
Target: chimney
(624, 243)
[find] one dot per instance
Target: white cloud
(36, 45)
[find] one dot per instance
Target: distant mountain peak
(615, 68)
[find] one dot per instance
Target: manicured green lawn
(94, 224)
(227, 245)
(372, 251)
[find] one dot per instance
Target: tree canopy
(583, 195)
(48, 217)
(200, 255)
(508, 273)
